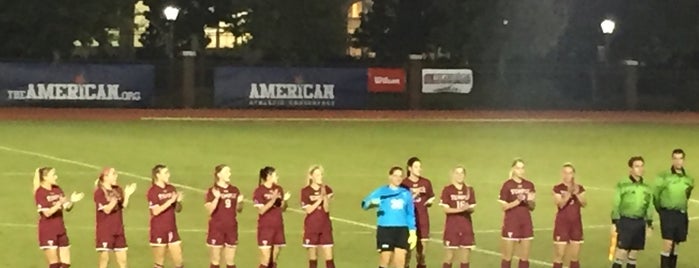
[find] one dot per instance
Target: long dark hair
(264, 173)
(155, 171)
(411, 161)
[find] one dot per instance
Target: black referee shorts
(631, 233)
(674, 225)
(390, 238)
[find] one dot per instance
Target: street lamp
(171, 13)
(608, 27)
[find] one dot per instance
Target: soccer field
(356, 157)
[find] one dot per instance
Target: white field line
(351, 222)
(30, 174)
(123, 173)
(356, 119)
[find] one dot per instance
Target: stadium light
(608, 26)
(171, 12)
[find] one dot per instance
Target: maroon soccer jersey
(318, 220)
(422, 191)
(511, 191)
(453, 197)
(272, 218)
(571, 210)
(112, 223)
(165, 221)
(226, 210)
(45, 199)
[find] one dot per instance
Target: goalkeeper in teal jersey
(395, 230)
(672, 190)
(632, 214)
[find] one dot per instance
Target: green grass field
(356, 156)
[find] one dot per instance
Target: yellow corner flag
(612, 246)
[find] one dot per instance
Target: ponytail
(37, 179)
(39, 174)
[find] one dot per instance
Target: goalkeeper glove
(412, 239)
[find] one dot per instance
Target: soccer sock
(673, 261)
(574, 264)
(616, 265)
(665, 260)
(631, 263)
(505, 264)
(231, 266)
(65, 265)
(55, 265)
(421, 266)
(557, 265)
(274, 265)
(157, 265)
(329, 263)
(313, 264)
(262, 266)
(523, 264)
(465, 265)
(181, 266)
(214, 266)
(446, 265)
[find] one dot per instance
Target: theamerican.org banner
(327, 88)
(76, 85)
(447, 81)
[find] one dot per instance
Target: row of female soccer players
(223, 202)
(223, 199)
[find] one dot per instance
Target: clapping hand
(130, 189)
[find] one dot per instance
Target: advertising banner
(76, 85)
(447, 81)
(386, 80)
(256, 87)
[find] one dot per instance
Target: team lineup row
(402, 217)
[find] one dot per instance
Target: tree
(393, 29)
(189, 27)
(48, 29)
(301, 31)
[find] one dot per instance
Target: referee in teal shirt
(395, 230)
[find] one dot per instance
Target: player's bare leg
(620, 257)
(448, 257)
(385, 258)
(399, 255)
(559, 251)
(158, 256)
(64, 256)
(421, 251)
(329, 258)
(465, 257)
(215, 255)
(524, 249)
(51, 257)
(507, 250)
(265, 256)
(120, 256)
(574, 254)
(669, 254)
(631, 260)
(176, 254)
(275, 255)
(229, 255)
(312, 257)
(103, 259)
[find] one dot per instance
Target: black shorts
(390, 238)
(674, 225)
(631, 233)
